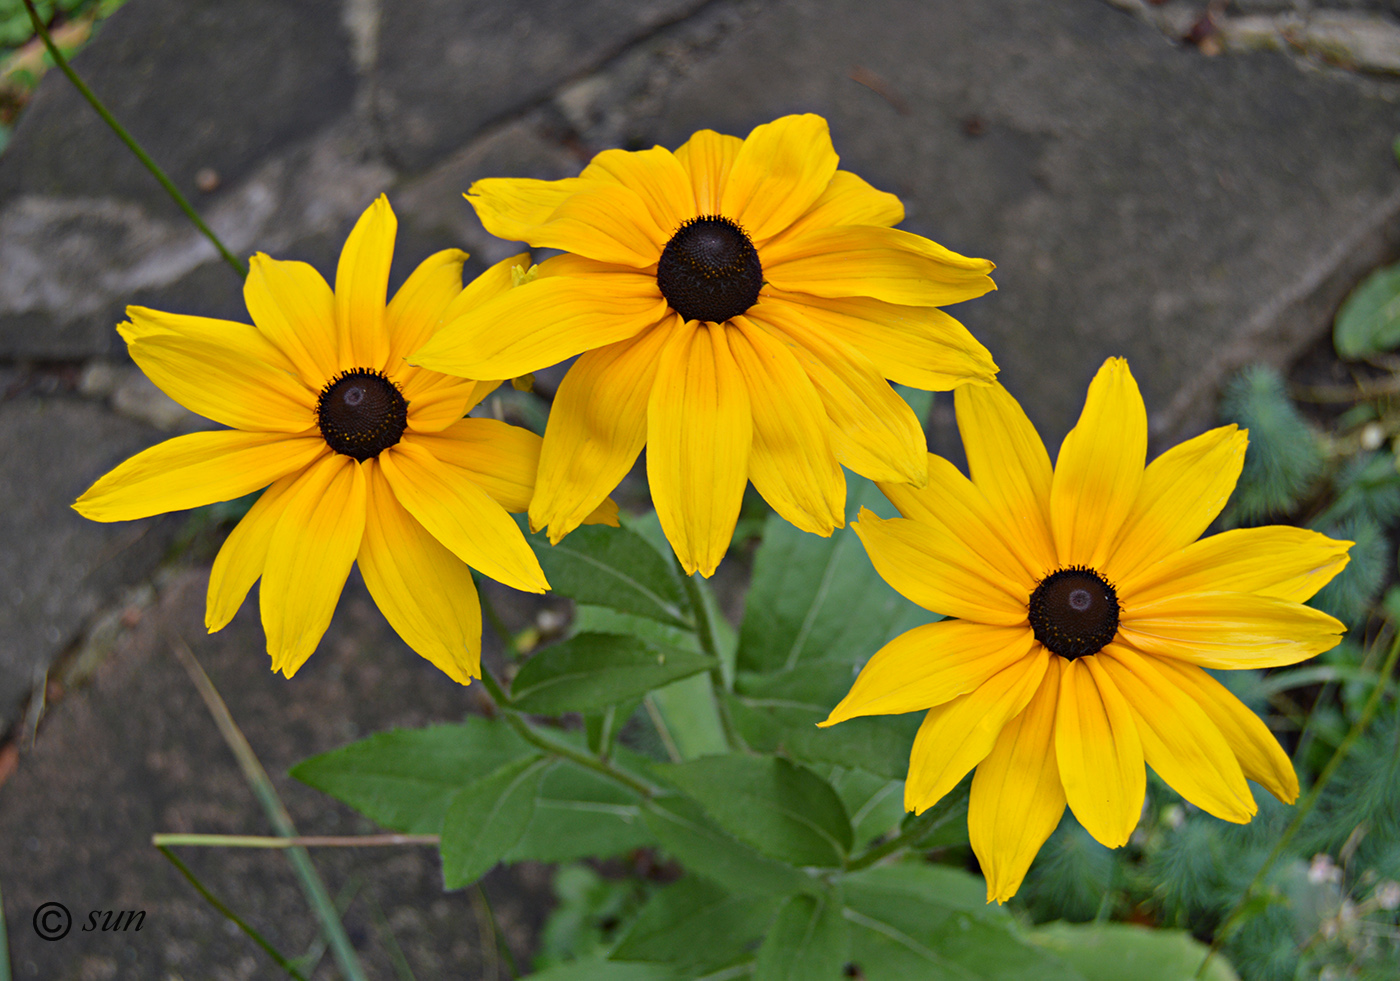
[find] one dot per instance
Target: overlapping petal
(708, 157)
(294, 308)
(416, 311)
(780, 171)
(1229, 630)
(1099, 752)
(244, 554)
(513, 207)
(606, 222)
(847, 200)
(362, 286)
(655, 176)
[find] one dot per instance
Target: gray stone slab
(56, 567)
(136, 753)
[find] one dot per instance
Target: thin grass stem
(300, 841)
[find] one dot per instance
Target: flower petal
(541, 323)
(461, 516)
(958, 735)
(1017, 797)
(309, 557)
(918, 346)
(929, 665)
(1099, 469)
(1099, 753)
(194, 470)
(699, 429)
(362, 286)
(847, 200)
(244, 554)
(1179, 740)
(1229, 630)
(1010, 467)
(708, 157)
(657, 178)
(425, 592)
(249, 341)
(513, 207)
(790, 462)
(416, 311)
(780, 171)
(1261, 757)
(942, 568)
(1279, 560)
(436, 401)
(868, 260)
(1182, 492)
(606, 222)
(294, 309)
(874, 432)
(597, 426)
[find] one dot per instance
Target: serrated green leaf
(580, 813)
(695, 925)
(590, 619)
(697, 843)
(1369, 320)
(810, 940)
(597, 969)
(784, 810)
(405, 779)
(487, 818)
(690, 716)
(616, 568)
(592, 671)
(1123, 952)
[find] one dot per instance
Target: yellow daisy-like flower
(741, 304)
(1086, 612)
(368, 459)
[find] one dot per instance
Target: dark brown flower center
(361, 413)
(1074, 612)
(709, 270)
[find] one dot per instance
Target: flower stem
(705, 633)
(130, 141)
(301, 841)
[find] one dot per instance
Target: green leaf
(875, 803)
(616, 568)
(1369, 320)
(691, 718)
(784, 810)
(809, 940)
(597, 969)
(487, 818)
(1118, 951)
(694, 925)
(601, 620)
(580, 813)
(815, 598)
(592, 671)
(692, 839)
(405, 779)
(603, 727)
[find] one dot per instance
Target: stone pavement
(1139, 195)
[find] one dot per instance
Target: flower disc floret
(361, 413)
(1074, 612)
(710, 270)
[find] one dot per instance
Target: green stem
(304, 841)
(130, 141)
(253, 772)
(1309, 802)
(233, 917)
(917, 828)
(705, 633)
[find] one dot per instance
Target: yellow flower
(369, 459)
(1087, 611)
(740, 303)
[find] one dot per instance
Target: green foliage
(1283, 460)
(592, 671)
(688, 835)
(16, 27)
(487, 817)
(1369, 321)
(808, 939)
(696, 927)
(1350, 596)
(1072, 876)
(590, 910)
(1112, 951)
(579, 813)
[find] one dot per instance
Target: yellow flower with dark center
(368, 459)
(740, 304)
(1086, 612)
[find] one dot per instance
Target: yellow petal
(244, 553)
(362, 286)
(606, 222)
(655, 176)
(538, 324)
(1099, 469)
(847, 200)
(1229, 630)
(1010, 467)
(501, 458)
(1261, 758)
(791, 462)
(1017, 797)
(1282, 561)
(941, 570)
(1179, 740)
(294, 309)
(867, 260)
(425, 592)
(1099, 753)
(436, 401)
(194, 470)
(597, 426)
(874, 432)
(918, 346)
(780, 171)
(309, 557)
(708, 157)
(930, 665)
(462, 516)
(1182, 492)
(415, 312)
(244, 338)
(699, 428)
(958, 735)
(513, 207)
